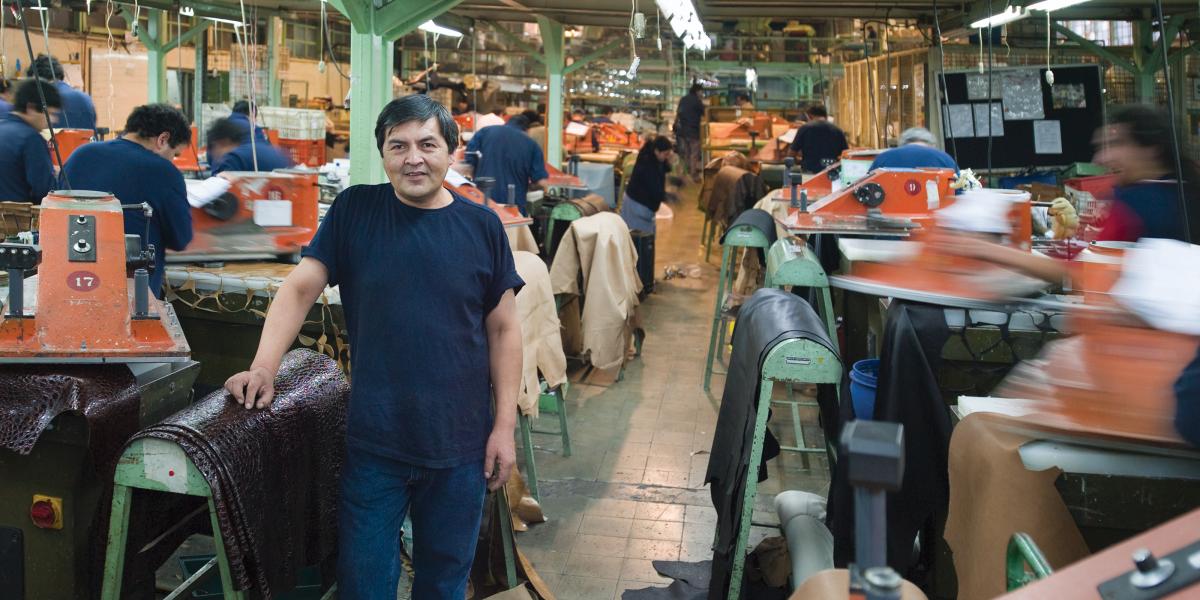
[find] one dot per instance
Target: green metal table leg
(743, 534)
(717, 320)
(222, 559)
(561, 394)
(1023, 551)
(530, 463)
(118, 528)
(506, 535)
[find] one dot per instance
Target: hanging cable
(41, 95)
(945, 100)
(1179, 183)
(328, 43)
(871, 100)
(989, 75)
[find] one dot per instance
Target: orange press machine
(68, 140)
(263, 216)
(88, 356)
(510, 214)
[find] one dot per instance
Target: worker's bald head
(419, 108)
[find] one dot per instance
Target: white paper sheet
(981, 123)
(1021, 92)
(577, 129)
(960, 121)
(202, 191)
(1160, 282)
(1047, 137)
(977, 87)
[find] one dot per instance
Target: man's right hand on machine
(254, 388)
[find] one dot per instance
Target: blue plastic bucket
(863, 378)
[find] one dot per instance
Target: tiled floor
(632, 492)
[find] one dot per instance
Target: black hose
(937, 25)
(42, 97)
(1179, 183)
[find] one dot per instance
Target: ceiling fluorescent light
(1049, 5)
(686, 24)
(226, 21)
(1010, 14)
(431, 27)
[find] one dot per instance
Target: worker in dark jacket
(647, 185)
(917, 149)
(687, 130)
(819, 142)
(230, 149)
(26, 173)
(137, 169)
(509, 156)
(246, 114)
(78, 110)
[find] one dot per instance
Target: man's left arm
(504, 357)
(175, 213)
(539, 175)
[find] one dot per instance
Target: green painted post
(198, 85)
(274, 86)
(553, 48)
(157, 59)
(371, 82)
(118, 530)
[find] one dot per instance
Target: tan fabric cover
(992, 496)
(541, 340)
(520, 238)
(600, 249)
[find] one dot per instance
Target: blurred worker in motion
(137, 169)
(918, 148)
(495, 117)
(26, 173)
(819, 142)
(6, 92)
(78, 110)
(647, 184)
(433, 405)
(246, 114)
(537, 128)
(509, 157)
(605, 116)
(230, 149)
(743, 102)
(688, 115)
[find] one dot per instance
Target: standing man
(818, 141)
(509, 156)
(78, 110)
(606, 114)
(230, 149)
(421, 433)
(917, 149)
(245, 114)
(687, 130)
(26, 173)
(137, 168)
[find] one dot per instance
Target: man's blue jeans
(445, 506)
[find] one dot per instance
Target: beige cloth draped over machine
(596, 264)
(540, 332)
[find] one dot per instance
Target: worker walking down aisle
(423, 439)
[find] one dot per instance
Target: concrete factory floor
(632, 491)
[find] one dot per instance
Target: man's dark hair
(497, 110)
(153, 120)
(696, 87)
(817, 110)
(242, 107)
(224, 130)
(743, 97)
(5, 85)
(46, 67)
(532, 116)
(27, 94)
(519, 121)
(607, 110)
(417, 107)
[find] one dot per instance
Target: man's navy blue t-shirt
(510, 156)
(817, 142)
(913, 156)
(135, 175)
(417, 286)
(78, 110)
(26, 173)
(242, 159)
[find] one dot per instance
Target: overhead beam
(515, 40)
(401, 17)
(599, 53)
(1096, 49)
(188, 36)
(143, 36)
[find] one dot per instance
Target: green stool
(1022, 552)
(740, 236)
(551, 401)
(793, 263)
(563, 211)
(791, 361)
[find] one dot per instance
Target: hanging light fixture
(1008, 15)
(434, 28)
(686, 24)
(1049, 5)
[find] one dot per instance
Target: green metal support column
(198, 86)
(275, 91)
(552, 46)
(371, 84)
(157, 58)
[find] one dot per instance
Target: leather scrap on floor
(287, 457)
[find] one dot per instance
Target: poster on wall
(1068, 95)
(981, 119)
(959, 121)
(1022, 95)
(1047, 137)
(977, 87)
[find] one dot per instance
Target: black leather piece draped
(767, 318)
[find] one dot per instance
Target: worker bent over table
(435, 336)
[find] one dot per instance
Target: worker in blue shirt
(230, 149)
(137, 169)
(606, 114)
(511, 157)
(6, 90)
(78, 110)
(437, 358)
(918, 148)
(26, 173)
(242, 115)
